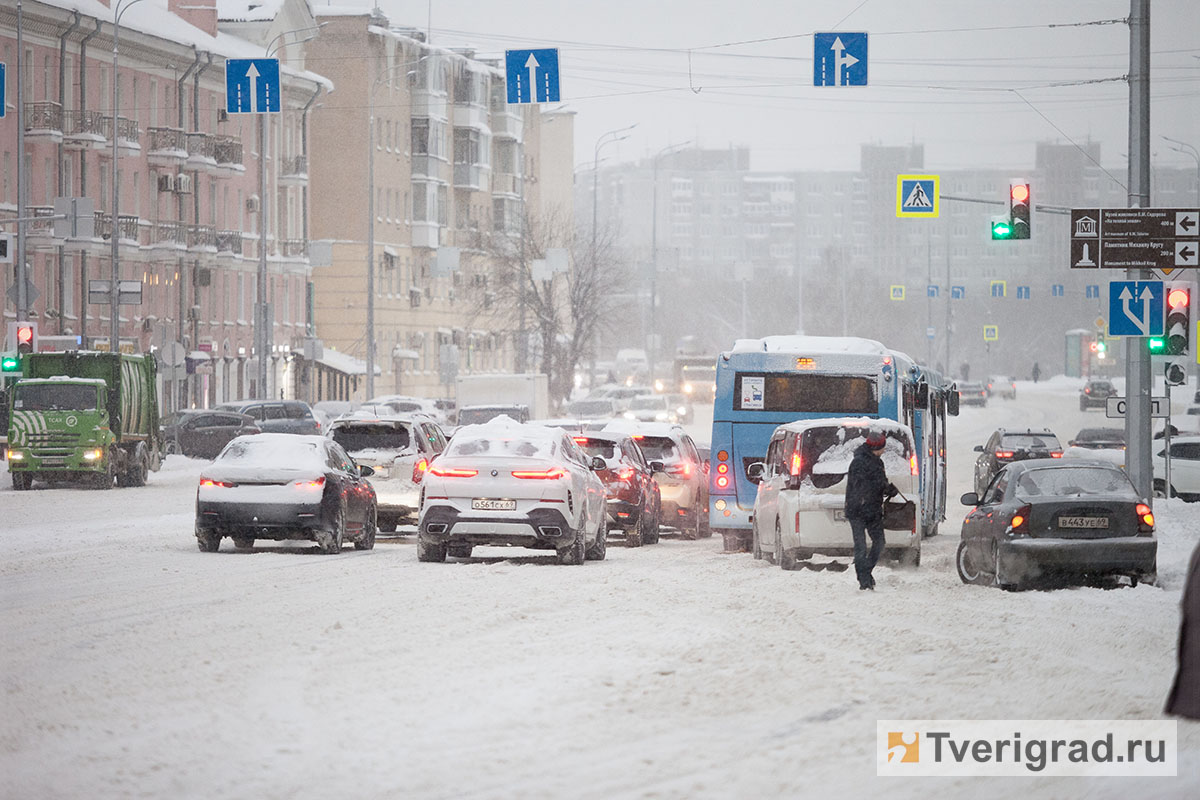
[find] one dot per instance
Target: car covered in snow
(799, 509)
(281, 486)
(477, 415)
(592, 408)
(1007, 445)
(509, 484)
(633, 497)
(1052, 519)
(399, 449)
(1002, 386)
(972, 393)
(1095, 393)
(683, 481)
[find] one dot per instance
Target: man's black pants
(864, 560)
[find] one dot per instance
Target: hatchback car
(1095, 394)
(1002, 386)
(683, 482)
(1045, 518)
(281, 487)
(1185, 468)
(277, 416)
(200, 433)
(504, 483)
(972, 393)
(1005, 446)
(399, 450)
(633, 497)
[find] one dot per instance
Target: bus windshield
(798, 392)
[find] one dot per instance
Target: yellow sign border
(892, 291)
(995, 329)
(937, 196)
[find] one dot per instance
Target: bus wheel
(733, 542)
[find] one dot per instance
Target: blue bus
(765, 383)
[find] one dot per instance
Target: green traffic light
(1002, 230)
(10, 364)
(1156, 344)
(1101, 347)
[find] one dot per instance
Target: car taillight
(1087, 390)
(625, 473)
(581, 440)
(419, 469)
(452, 472)
(319, 483)
(1145, 518)
(211, 482)
(1004, 454)
(797, 463)
(680, 470)
(1020, 520)
(552, 474)
(912, 463)
(1056, 454)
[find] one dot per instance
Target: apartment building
(190, 221)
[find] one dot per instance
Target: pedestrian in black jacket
(866, 487)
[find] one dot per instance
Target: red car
(634, 502)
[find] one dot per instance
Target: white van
(799, 509)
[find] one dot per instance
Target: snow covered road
(135, 666)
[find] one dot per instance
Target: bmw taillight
(1020, 520)
(419, 469)
(452, 472)
(1145, 519)
(552, 474)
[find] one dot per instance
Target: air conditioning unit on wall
(166, 183)
(183, 183)
(252, 204)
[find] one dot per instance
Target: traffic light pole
(1138, 424)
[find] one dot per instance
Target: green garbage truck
(84, 416)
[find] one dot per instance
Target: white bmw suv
(509, 484)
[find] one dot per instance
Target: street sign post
(3, 84)
(1135, 308)
(252, 85)
(840, 59)
(532, 75)
(1115, 407)
(917, 195)
(1166, 239)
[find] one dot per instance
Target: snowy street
(134, 665)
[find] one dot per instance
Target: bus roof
(810, 344)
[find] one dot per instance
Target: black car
(1095, 393)
(1099, 439)
(1046, 518)
(280, 487)
(277, 416)
(200, 433)
(1006, 446)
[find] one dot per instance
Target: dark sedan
(1007, 445)
(632, 495)
(199, 433)
(1095, 393)
(1046, 519)
(282, 486)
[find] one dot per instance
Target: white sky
(940, 74)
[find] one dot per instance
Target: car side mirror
(952, 404)
(657, 466)
(969, 499)
(365, 471)
(597, 463)
(978, 448)
(755, 471)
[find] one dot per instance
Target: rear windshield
(355, 438)
(1100, 436)
(599, 447)
(660, 448)
(281, 451)
(476, 416)
(826, 453)
(1072, 481)
(525, 448)
(403, 406)
(55, 397)
(1029, 442)
(830, 394)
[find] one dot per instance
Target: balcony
(44, 121)
(293, 171)
(229, 242)
(471, 116)
(40, 230)
(202, 238)
(169, 235)
(128, 134)
(425, 234)
(471, 176)
(505, 184)
(429, 104)
(127, 228)
(293, 248)
(168, 148)
(227, 150)
(428, 166)
(506, 125)
(84, 130)
(201, 151)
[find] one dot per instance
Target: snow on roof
(338, 11)
(810, 344)
(847, 422)
(634, 428)
(505, 426)
(346, 363)
(248, 10)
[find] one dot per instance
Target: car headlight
(660, 416)
(629, 415)
(16, 455)
(93, 455)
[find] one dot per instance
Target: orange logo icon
(903, 747)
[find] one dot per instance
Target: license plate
(488, 504)
(1083, 522)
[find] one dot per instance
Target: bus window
(825, 394)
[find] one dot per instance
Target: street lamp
(653, 348)
(371, 216)
(1184, 147)
(603, 140)
(114, 340)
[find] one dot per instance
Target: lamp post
(114, 336)
(653, 343)
(600, 142)
(371, 217)
(1184, 147)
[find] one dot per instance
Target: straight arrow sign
(1143, 321)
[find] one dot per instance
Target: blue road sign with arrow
(839, 59)
(251, 85)
(1135, 308)
(532, 75)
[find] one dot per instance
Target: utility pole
(1138, 386)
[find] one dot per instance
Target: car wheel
(430, 551)
(459, 550)
(705, 532)
(139, 470)
(21, 481)
(573, 554)
(366, 540)
(755, 543)
(1083, 406)
(785, 558)
(966, 570)
(599, 550)
(635, 536)
(208, 541)
(387, 526)
(998, 579)
(1160, 489)
(650, 534)
(104, 480)
(332, 542)
(172, 448)
(243, 542)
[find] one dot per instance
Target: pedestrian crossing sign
(897, 291)
(917, 195)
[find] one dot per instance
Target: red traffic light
(24, 334)
(1020, 192)
(1177, 298)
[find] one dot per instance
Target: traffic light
(23, 335)
(10, 363)
(1101, 345)
(1178, 324)
(1019, 205)
(1002, 229)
